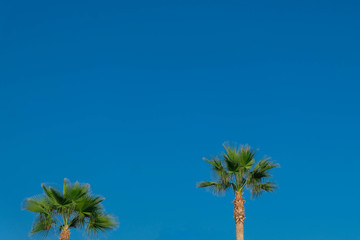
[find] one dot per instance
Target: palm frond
(215, 187)
(78, 221)
(261, 171)
(57, 196)
(247, 155)
(231, 158)
(219, 171)
(100, 222)
(265, 164)
(77, 191)
(38, 204)
(66, 186)
(89, 205)
(206, 184)
(258, 189)
(42, 225)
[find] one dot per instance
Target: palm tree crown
(236, 169)
(74, 207)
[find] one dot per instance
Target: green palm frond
(206, 184)
(265, 164)
(78, 221)
(38, 204)
(55, 196)
(247, 157)
(231, 158)
(42, 225)
(258, 189)
(89, 205)
(100, 222)
(58, 198)
(76, 191)
(216, 188)
(218, 169)
(261, 171)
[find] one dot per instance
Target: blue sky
(130, 95)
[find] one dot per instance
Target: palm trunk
(239, 215)
(65, 233)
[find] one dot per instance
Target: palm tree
(236, 169)
(74, 207)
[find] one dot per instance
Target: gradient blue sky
(130, 95)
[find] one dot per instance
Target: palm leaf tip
(205, 184)
(214, 187)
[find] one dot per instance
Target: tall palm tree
(74, 207)
(236, 169)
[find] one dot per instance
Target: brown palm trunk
(65, 233)
(239, 215)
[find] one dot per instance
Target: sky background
(129, 96)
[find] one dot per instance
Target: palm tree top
(237, 169)
(73, 207)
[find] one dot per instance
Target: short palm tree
(74, 207)
(236, 169)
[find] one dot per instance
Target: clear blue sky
(130, 95)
